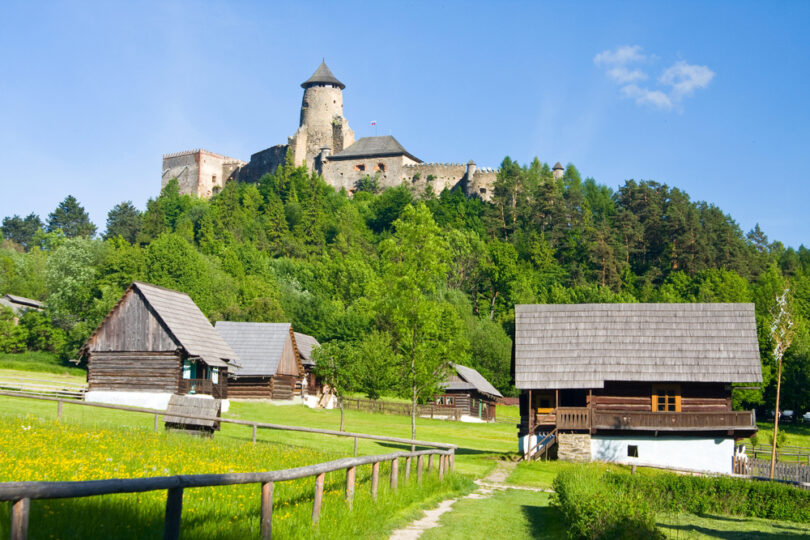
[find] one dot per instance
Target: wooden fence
(44, 387)
(404, 409)
(254, 425)
(800, 454)
(21, 493)
(792, 472)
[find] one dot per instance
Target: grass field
(39, 362)
(708, 526)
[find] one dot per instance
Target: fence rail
(793, 472)
(43, 387)
(403, 409)
(21, 493)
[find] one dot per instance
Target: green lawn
(728, 527)
(39, 363)
(512, 514)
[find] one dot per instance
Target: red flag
(373, 122)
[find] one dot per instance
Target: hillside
(351, 270)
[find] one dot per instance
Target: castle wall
(198, 172)
(184, 167)
(482, 184)
(261, 163)
(438, 175)
(344, 173)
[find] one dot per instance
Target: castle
(325, 143)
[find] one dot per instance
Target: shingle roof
(192, 406)
(187, 323)
(305, 345)
(23, 301)
(473, 380)
(382, 146)
(584, 345)
(323, 75)
(558, 167)
(259, 345)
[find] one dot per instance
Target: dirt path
(486, 486)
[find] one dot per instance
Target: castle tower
(558, 171)
(322, 123)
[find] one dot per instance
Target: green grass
(35, 449)
(539, 474)
(710, 526)
(510, 514)
(39, 361)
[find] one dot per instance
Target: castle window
(360, 167)
(214, 179)
(482, 190)
(381, 167)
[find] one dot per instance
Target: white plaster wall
(699, 454)
(147, 400)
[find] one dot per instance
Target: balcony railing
(202, 386)
(577, 418)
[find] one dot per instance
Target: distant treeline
(291, 248)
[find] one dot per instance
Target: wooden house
(155, 343)
(635, 383)
(305, 346)
(19, 305)
(269, 361)
(468, 391)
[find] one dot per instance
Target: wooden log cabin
(306, 344)
(647, 384)
(153, 344)
(269, 361)
(468, 391)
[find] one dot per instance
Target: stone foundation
(574, 447)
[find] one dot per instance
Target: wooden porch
(203, 386)
(585, 418)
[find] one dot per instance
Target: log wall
(132, 326)
(695, 397)
(250, 388)
(138, 371)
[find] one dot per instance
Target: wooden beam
(407, 469)
(174, 510)
(316, 503)
(19, 519)
(375, 478)
(267, 510)
(394, 473)
(350, 477)
(419, 469)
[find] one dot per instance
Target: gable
(131, 326)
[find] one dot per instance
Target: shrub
(723, 495)
(595, 509)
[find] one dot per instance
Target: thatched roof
(584, 345)
(305, 345)
(192, 406)
(259, 345)
(469, 379)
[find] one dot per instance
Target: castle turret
(322, 123)
(558, 171)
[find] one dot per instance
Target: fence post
(419, 468)
(350, 474)
(430, 462)
(441, 467)
(375, 477)
(394, 473)
(157, 421)
(174, 509)
(355, 447)
(316, 504)
(407, 469)
(452, 459)
(267, 511)
(59, 410)
(19, 519)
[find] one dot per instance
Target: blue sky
(711, 97)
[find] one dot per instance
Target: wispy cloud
(625, 65)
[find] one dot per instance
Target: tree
(426, 332)
(21, 230)
(782, 332)
(333, 365)
(71, 218)
(123, 220)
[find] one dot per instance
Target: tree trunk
(776, 417)
(413, 399)
(342, 418)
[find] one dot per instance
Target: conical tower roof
(558, 167)
(322, 75)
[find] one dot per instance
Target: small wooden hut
(155, 343)
(468, 391)
(269, 361)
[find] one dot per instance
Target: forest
(382, 276)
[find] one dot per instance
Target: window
(381, 167)
(440, 400)
(360, 167)
(214, 179)
(666, 398)
(448, 400)
(215, 375)
(632, 450)
(482, 190)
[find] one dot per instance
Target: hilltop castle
(325, 143)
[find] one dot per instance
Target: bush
(595, 509)
(722, 495)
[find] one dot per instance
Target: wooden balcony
(583, 418)
(202, 386)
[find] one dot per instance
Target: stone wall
(344, 173)
(438, 175)
(322, 125)
(261, 163)
(574, 447)
(482, 183)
